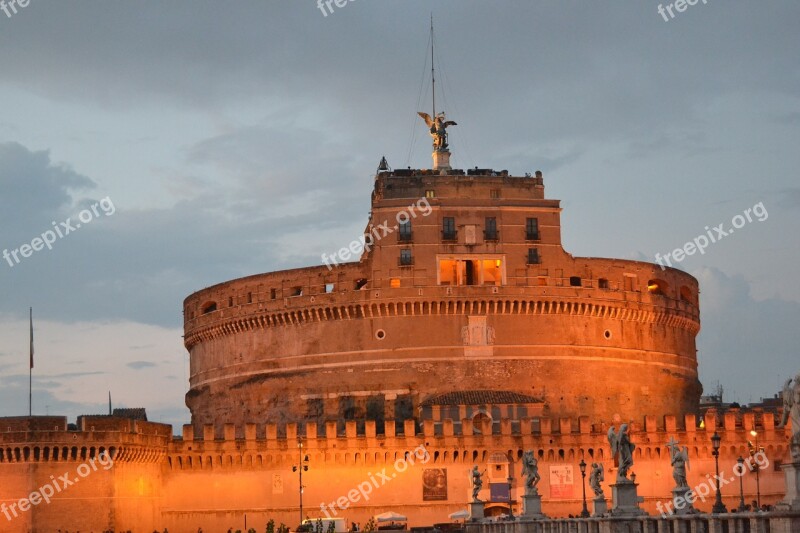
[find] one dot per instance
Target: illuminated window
(532, 229)
(430, 193)
(395, 283)
(657, 286)
(490, 231)
(471, 271)
(533, 256)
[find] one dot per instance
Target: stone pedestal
(532, 507)
(476, 511)
(791, 502)
(441, 160)
(599, 506)
(625, 499)
(680, 503)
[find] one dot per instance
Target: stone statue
(477, 483)
(679, 459)
(622, 448)
(438, 129)
(595, 477)
(791, 411)
(530, 469)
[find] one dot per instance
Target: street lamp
(742, 507)
(510, 480)
(718, 507)
(754, 464)
(585, 511)
(300, 468)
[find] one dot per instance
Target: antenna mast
(433, 73)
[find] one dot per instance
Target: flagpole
(30, 370)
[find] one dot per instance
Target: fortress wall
(258, 366)
(213, 477)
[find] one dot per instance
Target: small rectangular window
(230, 301)
(575, 281)
(494, 193)
(249, 297)
(405, 234)
(490, 230)
(394, 283)
(532, 229)
(448, 229)
(533, 256)
(406, 259)
(430, 193)
(602, 283)
(273, 293)
(329, 288)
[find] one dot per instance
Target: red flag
(31, 337)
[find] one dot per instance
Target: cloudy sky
(232, 138)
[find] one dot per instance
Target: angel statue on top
(438, 129)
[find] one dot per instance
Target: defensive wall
(214, 478)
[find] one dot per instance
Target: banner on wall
(561, 481)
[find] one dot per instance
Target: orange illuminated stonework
(465, 286)
(464, 331)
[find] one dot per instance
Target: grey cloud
(138, 365)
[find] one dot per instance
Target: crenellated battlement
(554, 440)
(49, 439)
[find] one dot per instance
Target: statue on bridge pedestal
(791, 411)
(622, 448)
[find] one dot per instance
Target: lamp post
(510, 480)
(582, 466)
(718, 507)
(301, 466)
(742, 507)
(754, 464)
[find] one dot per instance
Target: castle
(460, 334)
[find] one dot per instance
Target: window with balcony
(532, 229)
(490, 229)
(448, 229)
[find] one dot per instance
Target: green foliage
(283, 528)
(318, 526)
(370, 527)
(331, 527)
(271, 526)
